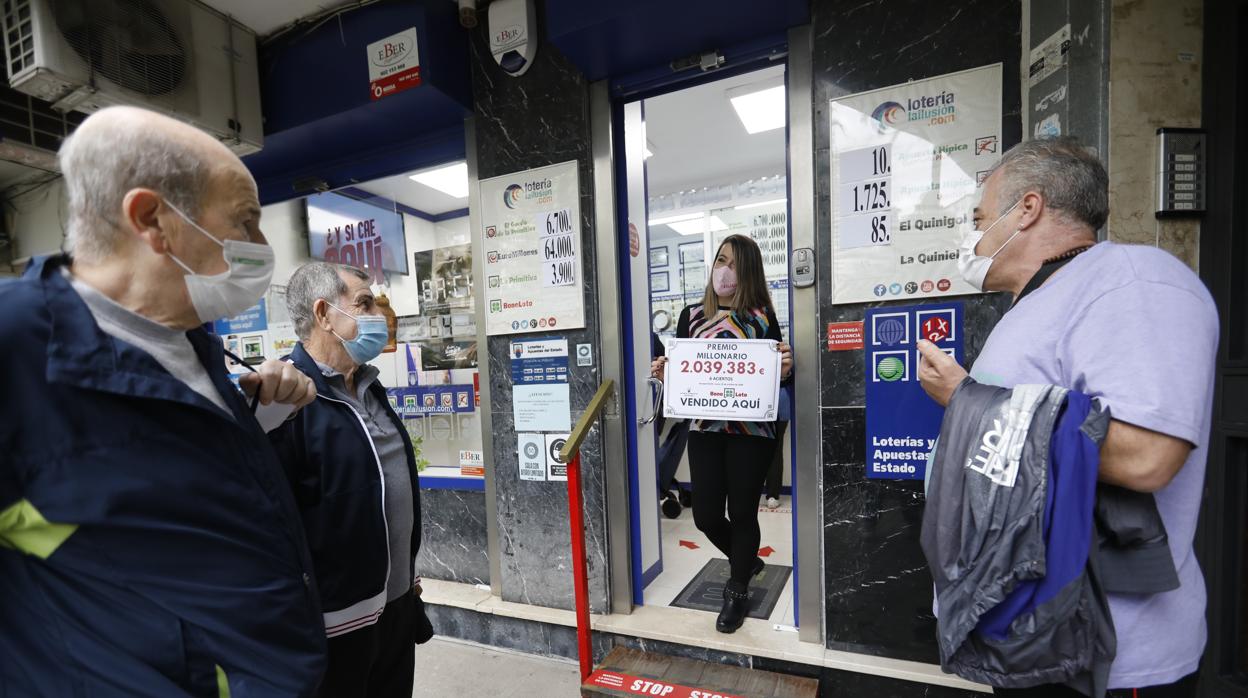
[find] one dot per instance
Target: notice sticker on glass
(556, 469)
(542, 407)
(471, 464)
(531, 449)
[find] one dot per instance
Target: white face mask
(237, 288)
(973, 267)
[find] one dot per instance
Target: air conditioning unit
(177, 57)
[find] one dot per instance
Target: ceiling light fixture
(756, 204)
(451, 180)
(697, 226)
(759, 107)
(676, 219)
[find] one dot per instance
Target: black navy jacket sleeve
(10, 489)
(288, 441)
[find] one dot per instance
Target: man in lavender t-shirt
(1129, 325)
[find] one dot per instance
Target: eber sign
(393, 64)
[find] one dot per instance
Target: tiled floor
(774, 638)
(441, 666)
(682, 561)
(685, 626)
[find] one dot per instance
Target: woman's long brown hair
(751, 281)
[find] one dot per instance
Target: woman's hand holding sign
(656, 367)
(786, 360)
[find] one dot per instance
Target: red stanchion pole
(580, 572)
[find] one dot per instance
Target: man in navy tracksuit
(149, 545)
(353, 471)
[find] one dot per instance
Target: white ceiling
(418, 196)
(697, 138)
(265, 16)
(695, 134)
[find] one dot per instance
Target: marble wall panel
(537, 119)
(878, 590)
(453, 539)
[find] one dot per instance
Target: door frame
(612, 358)
(807, 431)
(641, 576)
(1223, 262)
(606, 100)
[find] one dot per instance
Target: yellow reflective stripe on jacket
(23, 528)
(223, 684)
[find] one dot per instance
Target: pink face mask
(724, 280)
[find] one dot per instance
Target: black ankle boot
(758, 567)
(736, 605)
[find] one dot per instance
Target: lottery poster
(907, 162)
(531, 237)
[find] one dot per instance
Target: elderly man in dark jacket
(148, 545)
(353, 470)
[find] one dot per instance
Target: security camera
(512, 41)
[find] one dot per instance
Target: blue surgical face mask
(371, 335)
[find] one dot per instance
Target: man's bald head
(120, 149)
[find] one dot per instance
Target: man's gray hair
(1071, 179)
(312, 282)
(100, 171)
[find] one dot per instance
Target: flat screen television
(358, 232)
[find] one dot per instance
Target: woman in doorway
(728, 461)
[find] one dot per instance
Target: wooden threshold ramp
(629, 672)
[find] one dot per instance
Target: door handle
(655, 402)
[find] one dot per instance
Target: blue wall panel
(321, 120)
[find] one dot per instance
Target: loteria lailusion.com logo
(889, 114)
(539, 192)
(511, 195)
(930, 110)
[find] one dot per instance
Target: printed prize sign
(531, 237)
(907, 162)
(730, 379)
